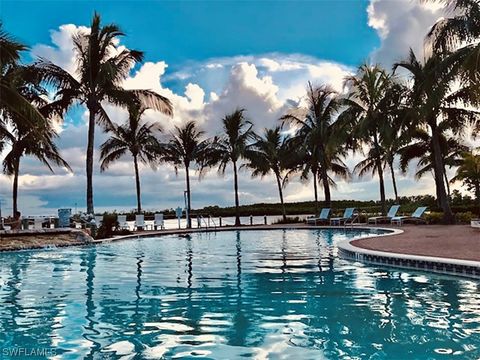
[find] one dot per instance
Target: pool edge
(440, 265)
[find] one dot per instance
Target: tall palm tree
(271, 153)
(185, 149)
(321, 139)
(458, 33)
(420, 147)
(369, 103)
(440, 105)
(135, 137)
(230, 148)
(35, 141)
(102, 66)
(18, 84)
(469, 173)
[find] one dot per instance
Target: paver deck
(444, 241)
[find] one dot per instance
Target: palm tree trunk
(446, 182)
(187, 174)
(379, 167)
(326, 189)
(89, 161)
(315, 191)
(237, 203)
(394, 182)
(382, 186)
(16, 171)
(477, 194)
(137, 183)
(279, 184)
(439, 170)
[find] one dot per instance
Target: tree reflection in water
(230, 295)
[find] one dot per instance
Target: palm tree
(270, 153)
(469, 173)
(230, 148)
(369, 105)
(438, 104)
(36, 141)
(135, 137)
(186, 148)
(18, 84)
(321, 139)
(420, 147)
(459, 34)
(102, 68)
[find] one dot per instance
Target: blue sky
(178, 32)
(209, 57)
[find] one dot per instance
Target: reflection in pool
(250, 294)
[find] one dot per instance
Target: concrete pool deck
(442, 241)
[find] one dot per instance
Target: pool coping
(441, 265)
(154, 233)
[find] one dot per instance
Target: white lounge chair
(159, 222)
(416, 216)
(391, 214)
(38, 223)
(98, 220)
(347, 215)
(475, 223)
(322, 217)
(139, 222)
(122, 222)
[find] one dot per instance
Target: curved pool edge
(447, 266)
(158, 233)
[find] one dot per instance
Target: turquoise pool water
(228, 295)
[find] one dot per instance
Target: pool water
(278, 294)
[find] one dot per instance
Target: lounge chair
(347, 215)
(391, 214)
(159, 222)
(139, 222)
(322, 217)
(98, 220)
(38, 223)
(416, 217)
(475, 223)
(122, 222)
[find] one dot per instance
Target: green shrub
(108, 227)
(434, 218)
(464, 217)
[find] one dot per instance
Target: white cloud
(401, 25)
(265, 85)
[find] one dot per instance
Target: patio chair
(122, 222)
(415, 217)
(322, 217)
(391, 214)
(159, 222)
(139, 222)
(347, 215)
(38, 223)
(475, 223)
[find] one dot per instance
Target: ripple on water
(253, 294)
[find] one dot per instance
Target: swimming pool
(226, 295)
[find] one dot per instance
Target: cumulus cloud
(265, 85)
(401, 25)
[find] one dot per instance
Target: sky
(208, 58)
